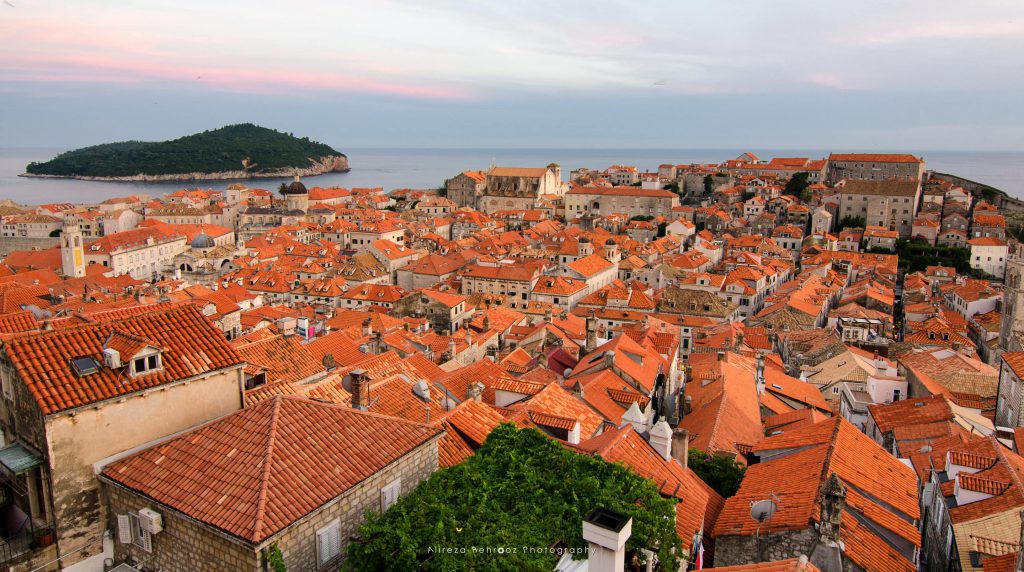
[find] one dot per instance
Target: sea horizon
(428, 167)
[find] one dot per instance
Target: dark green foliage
(797, 185)
(214, 151)
(662, 228)
(851, 222)
(521, 489)
(916, 256)
(720, 472)
(709, 184)
(275, 559)
(673, 186)
(642, 218)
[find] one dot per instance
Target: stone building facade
(874, 166)
(631, 201)
(69, 433)
(514, 188)
(889, 204)
(465, 188)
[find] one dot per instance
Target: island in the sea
(240, 151)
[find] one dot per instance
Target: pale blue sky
(868, 74)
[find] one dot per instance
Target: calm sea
(426, 168)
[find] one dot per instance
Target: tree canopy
(520, 490)
(797, 186)
(241, 147)
(720, 472)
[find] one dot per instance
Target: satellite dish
(762, 510)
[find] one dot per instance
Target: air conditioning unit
(111, 358)
(150, 521)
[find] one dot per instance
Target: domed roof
(583, 240)
(203, 240)
(296, 188)
(609, 242)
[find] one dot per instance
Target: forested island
(232, 152)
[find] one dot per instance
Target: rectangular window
(328, 542)
(389, 494)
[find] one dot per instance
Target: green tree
(275, 559)
(520, 489)
(662, 229)
(673, 186)
(709, 184)
(849, 221)
(720, 472)
(797, 185)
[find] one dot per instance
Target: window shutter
(335, 538)
(146, 541)
(124, 529)
(323, 545)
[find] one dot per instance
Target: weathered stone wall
(298, 542)
(183, 546)
(766, 547)
(9, 244)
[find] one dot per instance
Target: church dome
(203, 240)
(609, 242)
(296, 188)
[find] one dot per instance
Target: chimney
(739, 340)
(422, 390)
(368, 327)
(547, 315)
(660, 438)
(609, 359)
(826, 554)
(681, 446)
(475, 391)
(759, 374)
(360, 389)
(469, 337)
(451, 347)
(591, 332)
(633, 416)
(606, 533)
(721, 355)
(487, 322)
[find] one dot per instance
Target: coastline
(321, 166)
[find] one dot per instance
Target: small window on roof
(84, 366)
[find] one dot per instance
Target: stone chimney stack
(827, 553)
(547, 315)
(475, 391)
(681, 446)
(660, 437)
(759, 373)
(451, 347)
(368, 327)
(360, 389)
(591, 333)
(606, 533)
(609, 359)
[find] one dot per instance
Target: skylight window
(84, 366)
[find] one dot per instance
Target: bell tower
(72, 255)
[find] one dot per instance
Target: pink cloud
(83, 67)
